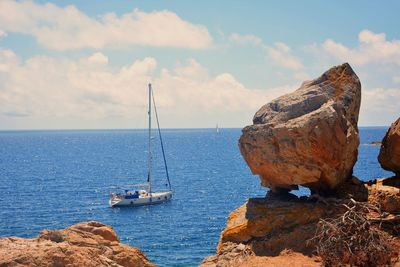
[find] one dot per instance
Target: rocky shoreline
(83, 244)
(310, 138)
(307, 138)
(265, 230)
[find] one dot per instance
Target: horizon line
(126, 129)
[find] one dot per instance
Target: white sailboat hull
(147, 199)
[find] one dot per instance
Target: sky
(86, 64)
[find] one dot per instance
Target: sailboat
(145, 195)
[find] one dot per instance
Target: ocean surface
(52, 179)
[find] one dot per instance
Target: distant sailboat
(145, 196)
(217, 129)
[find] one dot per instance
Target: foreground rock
(276, 232)
(386, 193)
(265, 229)
(285, 259)
(389, 155)
(83, 244)
(308, 137)
(261, 217)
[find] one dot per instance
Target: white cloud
(98, 58)
(281, 54)
(373, 48)
(369, 37)
(245, 39)
(301, 76)
(380, 106)
(44, 89)
(192, 70)
(396, 79)
(68, 28)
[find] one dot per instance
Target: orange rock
(274, 231)
(259, 217)
(389, 155)
(286, 259)
(308, 137)
(263, 230)
(83, 244)
(386, 193)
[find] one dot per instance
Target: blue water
(52, 179)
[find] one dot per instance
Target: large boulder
(389, 155)
(83, 244)
(308, 137)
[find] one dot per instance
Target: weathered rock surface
(386, 193)
(285, 259)
(308, 137)
(389, 155)
(286, 223)
(263, 229)
(235, 257)
(274, 232)
(83, 244)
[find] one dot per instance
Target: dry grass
(353, 238)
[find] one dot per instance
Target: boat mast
(161, 141)
(149, 154)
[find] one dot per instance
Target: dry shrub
(353, 238)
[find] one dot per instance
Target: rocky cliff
(83, 244)
(310, 138)
(276, 231)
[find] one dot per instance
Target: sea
(55, 178)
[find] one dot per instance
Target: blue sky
(85, 64)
